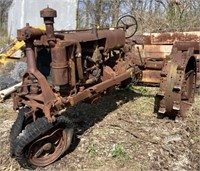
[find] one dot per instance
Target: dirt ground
(120, 132)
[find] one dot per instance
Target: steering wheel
(129, 24)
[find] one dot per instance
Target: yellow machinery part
(13, 47)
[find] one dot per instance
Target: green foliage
(91, 150)
(139, 89)
(119, 153)
(196, 137)
(177, 17)
(172, 16)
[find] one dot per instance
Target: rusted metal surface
(65, 68)
(151, 76)
(29, 32)
(198, 69)
(49, 14)
(77, 60)
(59, 66)
(178, 83)
(156, 64)
(47, 149)
(171, 38)
(109, 36)
(142, 39)
(184, 46)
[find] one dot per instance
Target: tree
(4, 6)
(152, 15)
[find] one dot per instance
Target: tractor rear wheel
(177, 87)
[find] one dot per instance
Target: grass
(145, 90)
(196, 137)
(119, 153)
(91, 150)
(140, 89)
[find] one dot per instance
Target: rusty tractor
(69, 66)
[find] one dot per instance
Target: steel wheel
(177, 87)
(188, 87)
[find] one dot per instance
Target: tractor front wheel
(41, 142)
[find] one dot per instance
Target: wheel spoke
(187, 75)
(123, 22)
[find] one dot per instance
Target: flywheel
(177, 86)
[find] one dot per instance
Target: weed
(118, 152)
(138, 89)
(5, 110)
(195, 137)
(91, 150)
